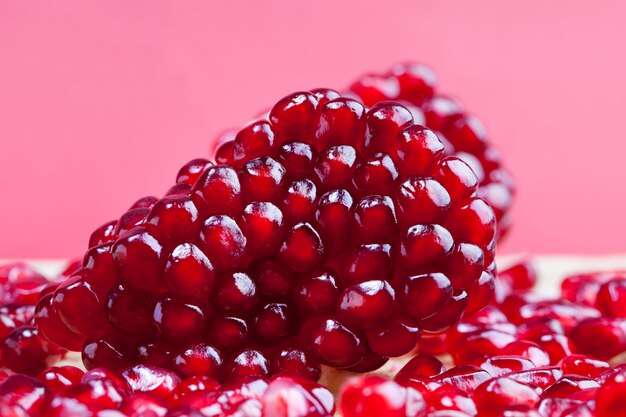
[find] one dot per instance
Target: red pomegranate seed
(528, 350)
(151, 379)
(289, 397)
(502, 391)
(190, 388)
(611, 398)
(332, 342)
(601, 338)
(53, 329)
(397, 337)
(25, 392)
(198, 359)
(372, 396)
(139, 405)
(248, 363)
(464, 377)
(295, 363)
(479, 345)
(25, 351)
(583, 365)
(56, 378)
(420, 365)
(542, 377)
(568, 385)
(502, 365)
(521, 276)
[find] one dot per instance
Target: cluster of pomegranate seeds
(463, 134)
(22, 347)
(150, 391)
(523, 355)
(328, 234)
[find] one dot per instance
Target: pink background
(101, 102)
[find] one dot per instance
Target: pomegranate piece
(339, 230)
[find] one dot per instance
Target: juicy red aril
(330, 229)
(189, 173)
(611, 298)
(176, 319)
(26, 352)
(602, 338)
(366, 305)
(198, 359)
(56, 378)
(129, 311)
(191, 387)
(295, 362)
(236, 293)
(583, 365)
(465, 377)
(285, 395)
(420, 365)
(395, 338)
(333, 343)
(189, 273)
(137, 405)
(611, 396)
(520, 277)
(247, 363)
(24, 392)
(371, 396)
(53, 329)
(503, 391)
(150, 379)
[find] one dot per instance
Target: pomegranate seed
(25, 392)
(541, 377)
(601, 338)
(502, 391)
(25, 351)
(502, 365)
(371, 396)
(288, 397)
(186, 391)
(583, 365)
(150, 379)
(295, 363)
(521, 277)
(139, 405)
(610, 398)
(464, 377)
(332, 342)
(57, 378)
(248, 363)
(198, 359)
(420, 365)
(53, 329)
